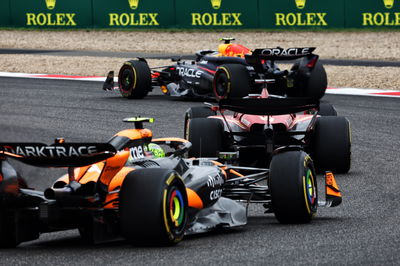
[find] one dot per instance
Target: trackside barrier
(199, 14)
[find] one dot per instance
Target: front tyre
(206, 136)
(153, 207)
(293, 187)
(196, 112)
(134, 79)
(331, 144)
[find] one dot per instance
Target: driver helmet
(154, 150)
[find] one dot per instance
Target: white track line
(341, 91)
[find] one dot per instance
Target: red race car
(252, 130)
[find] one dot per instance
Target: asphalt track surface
(128, 55)
(364, 230)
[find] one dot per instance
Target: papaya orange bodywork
(332, 188)
(194, 200)
(135, 133)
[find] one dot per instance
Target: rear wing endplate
(58, 154)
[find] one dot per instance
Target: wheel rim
(126, 80)
(175, 213)
(222, 86)
(310, 189)
(176, 208)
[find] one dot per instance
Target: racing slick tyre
(326, 109)
(308, 83)
(8, 237)
(231, 81)
(206, 136)
(332, 144)
(293, 187)
(153, 207)
(134, 79)
(196, 112)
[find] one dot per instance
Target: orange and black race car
(131, 188)
(197, 78)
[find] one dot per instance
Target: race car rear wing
(257, 58)
(279, 53)
(58, 154)
(268, 106)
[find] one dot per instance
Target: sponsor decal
(133, 19)
(189, 72)
(216, 4)
(50, 4)
(215, 181)
(216, 19)
(300, 19)
(382, 18)
(137, 152)
(215, 194)
(50, 19)
(300, 4)
(388, 3)
(133, 4)
(52, 151)
(285, 52)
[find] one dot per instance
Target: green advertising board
(372, 13)
(200, 14)
(5, 19)
(216, 13)
(301, 14)
(133, 13)
(51, 13)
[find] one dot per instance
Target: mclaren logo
(300, 4)
(50, 4)
(388, 3)
(133, 4)
(216, 4)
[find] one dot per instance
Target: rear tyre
(332, 144)
(293, 187)
(206, 136)
(317, 83)
(8, 236)
(196, 112)
(134, 79)
(326, 109)
(153, 207)
(308, 83)
(231, 81)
